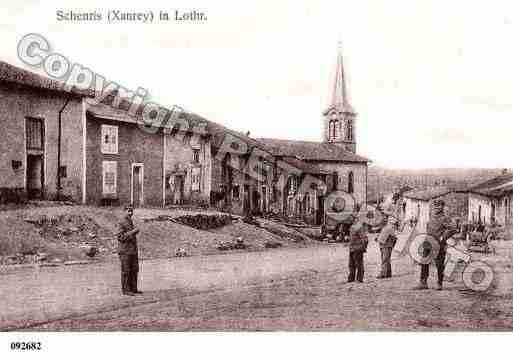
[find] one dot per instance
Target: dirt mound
(18, 237)
(33, 237)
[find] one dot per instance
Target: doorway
(35, 176)
(35, 160)
(255, 203)
(264, 199)
(178, 189)
(137, 195)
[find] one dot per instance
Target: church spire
(339, 117)
(340, 94)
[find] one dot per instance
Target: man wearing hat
(128, 256)
(387, 239)
(440, 229)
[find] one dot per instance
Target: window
(349, 133)
(236, 192)
(34, 133)
(110, 177)
(335, 181)
(332, 131)
(350, 183)
(63, 171)
(336, 132)
(195, 155)
(293, 184)
(109, 139)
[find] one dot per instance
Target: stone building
(418, 204)
(42, 147)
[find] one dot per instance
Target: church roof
(304, 166)
(310, 150)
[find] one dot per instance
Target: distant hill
(383, 180)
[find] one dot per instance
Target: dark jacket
(440, 227)
(127, 243)
(358, 241)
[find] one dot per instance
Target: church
(334, 157)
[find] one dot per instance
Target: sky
(431, 80)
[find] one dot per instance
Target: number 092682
(25, 345)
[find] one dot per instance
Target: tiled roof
(309, 150)
(495, 187)
(121, 114)
(427, 194)
(16, 75)
(217, 131)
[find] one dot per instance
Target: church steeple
(340, 116)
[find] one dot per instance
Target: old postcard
(255, 166)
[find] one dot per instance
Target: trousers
(129, 272)
(386, 265)
(440, 267)
(356, 266)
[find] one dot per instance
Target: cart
(480, 242)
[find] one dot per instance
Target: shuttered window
(34, 133)
(109, 139)
(110, 177)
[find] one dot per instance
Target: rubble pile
(75, 231)
(205, 221)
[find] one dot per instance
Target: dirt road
(289, 289)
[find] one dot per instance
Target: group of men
(439, 228)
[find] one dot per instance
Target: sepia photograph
(273, 166)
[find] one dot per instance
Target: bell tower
(339, 118)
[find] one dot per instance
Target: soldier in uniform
(387, 239)
(357, 247)
(440, 229)
(128, 256)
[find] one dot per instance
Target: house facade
(41, 152)
(418, 204)
(492, 200)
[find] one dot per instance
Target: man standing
(387, 239)
(440, 229)
(128, 256)
(357, 247)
